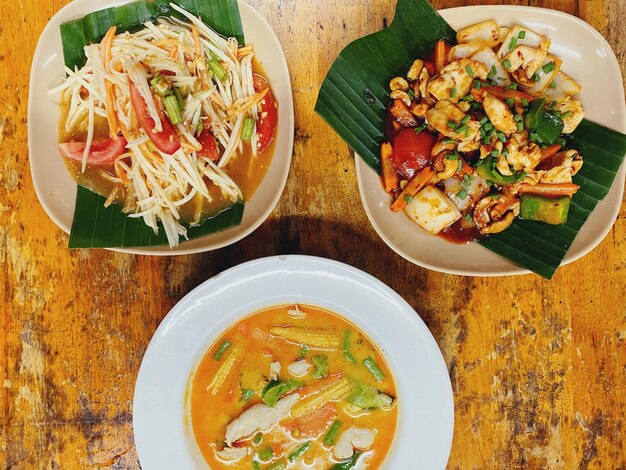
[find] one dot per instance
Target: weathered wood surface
(538, 368)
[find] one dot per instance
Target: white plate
(588, 58)
(55, 187)
(163, 437)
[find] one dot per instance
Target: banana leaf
(353, 101)
(95, 226)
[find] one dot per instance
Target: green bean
(371, 365)
(217, 355)
(331, 435)
(299, 451)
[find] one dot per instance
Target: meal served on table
(172, 122)
(292, 386)
(475, 134)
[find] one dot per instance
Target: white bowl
(55, 187)
(588, 58)
(163, 435)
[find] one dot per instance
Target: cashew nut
(398, 83)
(401, 95)
(415, 69)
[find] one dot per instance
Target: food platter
(584, 52)
(160, 418)
(53, 184)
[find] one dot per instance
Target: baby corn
(334, 392)
(312, 337)
(222, 373)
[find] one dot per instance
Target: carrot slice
(390, 175)
(548, 189)
(415, 185)
(440, 55)
(500, 93)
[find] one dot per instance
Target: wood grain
(537, 367)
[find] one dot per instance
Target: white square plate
(587, 58)
(54, 185)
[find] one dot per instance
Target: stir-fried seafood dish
(293, 387)
(475, 134)
(172, 122)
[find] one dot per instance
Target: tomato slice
(411, 151)
(102, 152)
(268, 112)
(167, 140)
(209, 146)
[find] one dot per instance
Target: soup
(293, 386)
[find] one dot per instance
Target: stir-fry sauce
(340, 380)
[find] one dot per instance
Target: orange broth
(211, 413)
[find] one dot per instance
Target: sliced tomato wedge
(268, 114)
(102, 152)
(209, 146)
(167, 140)
(411, 151)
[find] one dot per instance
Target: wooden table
(537, 367)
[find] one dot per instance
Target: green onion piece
(549, 67)
(489, 182)
(266, 454)
(460, 128)
(565, 115)
(506, 63)
(247, 129)
(411, 93)
(373, 368)
(256, 440)
(524, 102)
(476, 85)
(304, 350)
(520, 126)
(510, 101)
(246, 394)
(333, 432)
(277, 466)
(321, 366)
(505, 152)
(468, 217)
(535, 77)
(466, 179)
(452, 92)
(256, 465)
(513, 86)
(419, 129)
(217, 69)
(483, 120)
(522, 34)
(159, 85)
(299, 451)
(469, 70)
(469, 98)
(219, 352)
(408, 200)
(501, 136)
(459, 167)
(452, 157)
(467, 132)
(466, 118)
(518, 117)
(448, 141)
(172, 109)
(495, 153)
(451, 124)
(513, 43)
(552, 84)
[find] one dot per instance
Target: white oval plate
(163, 436)
(588, 58)
(54, 185)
